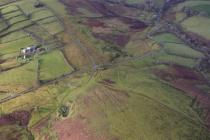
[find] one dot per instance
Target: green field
(167, 38)
(182, 50)
(174, 51)
(15, 46)
(3, 25)
(175, 59)
(13, 36)
(52, 65)
(9, 9)
(12, 14)
(47, 20)
(42, 14)
(17, 27)
(53, 27)
(28, 6)
(17, 19)
(198, 25)
(23, 76)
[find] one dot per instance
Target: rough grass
(16, 27)
(58, 7)
(41, 14)
(12, 14)
(53, 27)
(14, 132)
(139, 47)
(28, 6)
(3, 25)
(14, 46)
(157, 109)
(132, 110)
(9, 63)
(128, 110)
(24, 76)
(13, 36)
(53, 65)
(137, 118)
(17, 19)
(46, 101)
(47, 20)
(137, 77)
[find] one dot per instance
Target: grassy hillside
(103, 71)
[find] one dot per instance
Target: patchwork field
(104, 70)
(176, 52)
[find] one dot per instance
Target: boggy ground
(113, 23)
(190, 82)
(13, 126)
(19, 117)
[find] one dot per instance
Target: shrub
(63, 111)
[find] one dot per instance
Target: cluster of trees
(63, 111)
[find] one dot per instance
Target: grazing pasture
(175, 51)
(198, 25)
(24, 76)
(53, 65)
